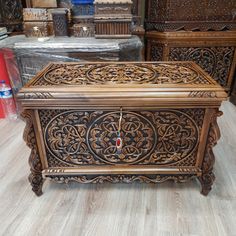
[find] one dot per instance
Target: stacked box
(113, 18)
(38, 22)
(83, 18)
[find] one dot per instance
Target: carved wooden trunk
(113, 18)
(213, 51)
(121, 122)
(172, 15)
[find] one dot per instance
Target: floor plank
(118, 210)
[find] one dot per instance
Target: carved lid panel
(115, 83)
(73, 74)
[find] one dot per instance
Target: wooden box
(83, 30)
(113, 18)
(204, 15)
(38, 22)
(121, 122)
(213, 51)
(60, 22)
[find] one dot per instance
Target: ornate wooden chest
(113, 18)
(204, 15)
(121, 122)
(213, 51)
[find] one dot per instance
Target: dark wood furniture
(233, 91)
(11, 15)
(204, 15)
(121, 122)
(213, 51)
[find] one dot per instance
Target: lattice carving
(11, 15)
(156, 52)
(91, 74)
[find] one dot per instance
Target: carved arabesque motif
(177, 137)
(216, 61)
(77, 74)
(164, 137)
(156, 51)
(35, 177)
(65, 137)
(137, 133)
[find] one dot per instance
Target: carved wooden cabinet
(213, 51)
(113, 18)
(204, 15)
(121, 122)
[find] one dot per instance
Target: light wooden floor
(116, 210)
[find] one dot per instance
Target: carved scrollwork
(177, 136)
(65, 137)
(137, 133)
(216, 61)
(85, 179)
(91, 74)
(164, 137)
(208, 176)
(35, 178)
(156, 51)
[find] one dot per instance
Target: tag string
(120, 120)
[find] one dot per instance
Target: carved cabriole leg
(35, 178)
(207, 178)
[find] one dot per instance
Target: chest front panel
(164, 137)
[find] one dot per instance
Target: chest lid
(121, 84)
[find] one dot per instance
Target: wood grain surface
(117, 210)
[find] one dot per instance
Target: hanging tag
(119, 142)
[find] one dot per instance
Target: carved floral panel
(131, 73)
(216, 61)
(163, 137)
